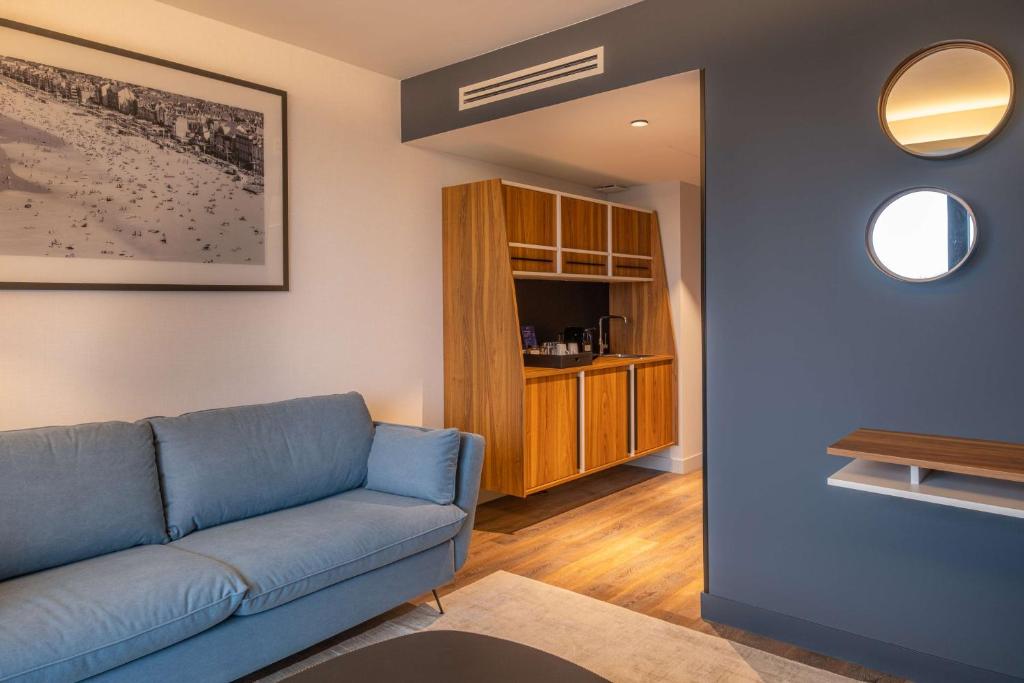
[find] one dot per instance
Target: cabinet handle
(631, 413)
(533, 259)
(584, 263)
(581, 425)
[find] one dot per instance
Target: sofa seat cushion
(290, 553)
(219, 466)
(76, 621)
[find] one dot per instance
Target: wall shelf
(986, 476)
(994, 459)
(942, 488)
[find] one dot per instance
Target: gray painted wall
(805, 339)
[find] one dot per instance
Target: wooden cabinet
(655, 407)
(551, 424)
(631, 232)
(529, 216)
(544, 427)
(584, 224)
(554, 235)
(605, 417)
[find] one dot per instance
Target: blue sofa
(207, 546)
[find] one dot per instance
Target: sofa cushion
(79, 620)
(70, 493)
(412, 461)
(291, 553)
(219, 466)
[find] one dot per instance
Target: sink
(625, 355)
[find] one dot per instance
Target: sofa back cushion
(415, 462)
(71, 493)
(223, 465)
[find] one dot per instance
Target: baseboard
(669, 461)
(876, 654)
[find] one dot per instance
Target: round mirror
(947, 99)
(922, 234)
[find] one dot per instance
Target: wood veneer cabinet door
(606, 417)
(550, 436)
(580, 263)
(631, 232)
(584, 225)
(529, 216)
(631, 267)
(532, 260)
(655, 426)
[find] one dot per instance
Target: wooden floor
(628, 536)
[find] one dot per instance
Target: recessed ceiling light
(639, 123)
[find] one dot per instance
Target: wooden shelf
(991, 459)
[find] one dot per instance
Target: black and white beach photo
(94, 167)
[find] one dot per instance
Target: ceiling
(949, 81)
(400, 38)
(589, 140)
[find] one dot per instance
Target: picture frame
(121, 171)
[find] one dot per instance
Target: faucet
(603, 342)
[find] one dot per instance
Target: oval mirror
(947, 99)
(922, 234)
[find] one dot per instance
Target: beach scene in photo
(100, 169)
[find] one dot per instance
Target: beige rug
(614, 642)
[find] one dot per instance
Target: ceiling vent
(610, 189)
(547, 75)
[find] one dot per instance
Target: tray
(551, 361)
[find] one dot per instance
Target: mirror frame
(913, 59)
(884, 205)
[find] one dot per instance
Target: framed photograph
(122, 171)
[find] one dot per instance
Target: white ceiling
(401, 38)
(589, 140)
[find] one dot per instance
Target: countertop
(600, 363)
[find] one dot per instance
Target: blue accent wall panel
(806, 340)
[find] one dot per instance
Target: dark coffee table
(448, 656)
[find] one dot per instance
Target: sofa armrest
(467, 490)
(467, 487)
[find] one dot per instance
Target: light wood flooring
(629, 536)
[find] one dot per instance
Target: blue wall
(806, 340)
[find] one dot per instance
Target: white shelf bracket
(918, 474)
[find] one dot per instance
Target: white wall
(678, 207)
(364, 310)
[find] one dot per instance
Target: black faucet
(603, 341)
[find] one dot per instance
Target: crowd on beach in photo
(98, 169)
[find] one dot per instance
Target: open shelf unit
(987, 476)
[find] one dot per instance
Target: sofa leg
(437, 598)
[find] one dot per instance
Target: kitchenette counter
(600, 363)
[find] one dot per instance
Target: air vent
(611, 189)
(547, 75)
